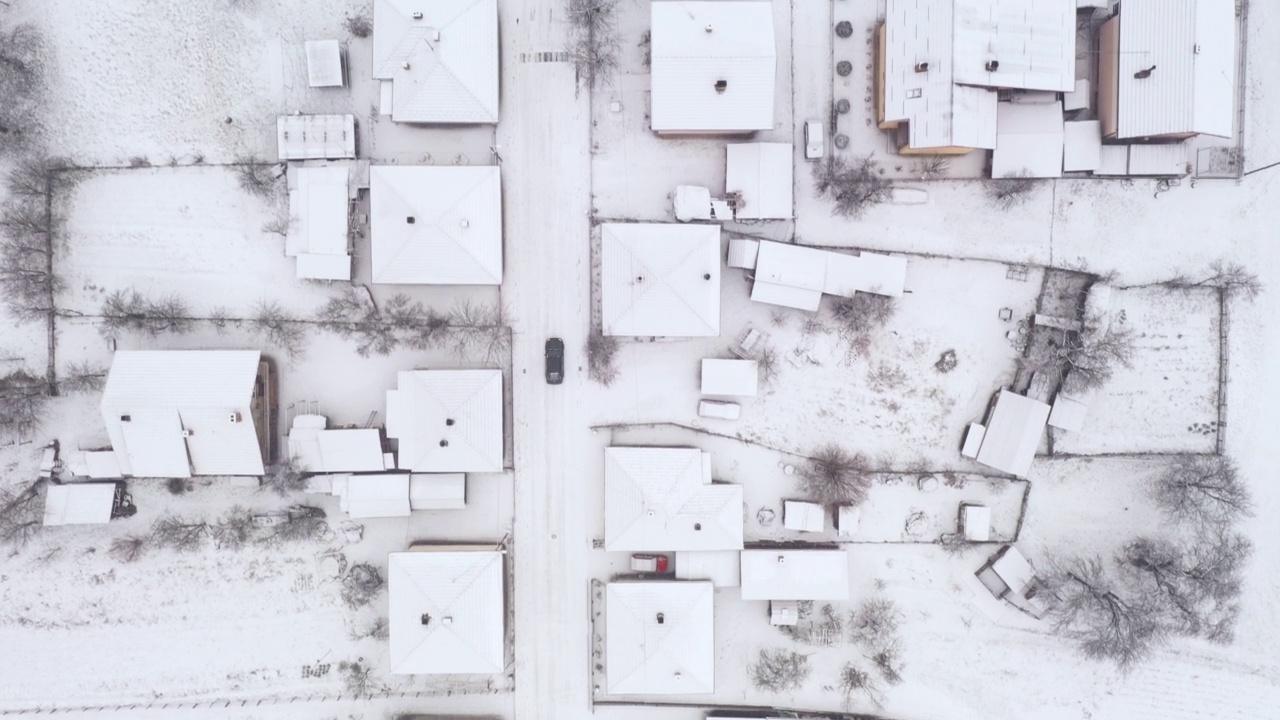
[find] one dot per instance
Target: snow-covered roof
(823, 271)
(778, 574)
(1167, 159)
(436, 225)
(803, 516)
(441, 57)
(79, 503)
(1013, 433)
(1068, 413)
(316, 137)
(743, 253)
(1192, 45)
(447, 420)
(1034, 42)
(447, 612)
(786, 295)
(1081, 146)
(318, 219)
(660, 638)
(1013, 569)
(1029, 140)
(339, 450)
(438, 491)
(694, 47)
(324, 63)
(730, 377)
(722, 567)
(662, 499)
(374, 496)
(761, 174)
(178, 413)
(976, 520)
(660, 279)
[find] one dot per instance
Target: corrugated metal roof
(739, 378)
(687, 62)
(316, 137)
(1029, 142)
(1081, 146)
(79, 504)
(324, 63)
(777, 574)
(447, 420)
(660, 279)
(1013, 433)
(318, 219)
(455, 236)
(658, 499)
(446, 612)
(340, 450)
(1171, 159)
(443, 64)
(1192, 45)
(660, 638)
(375, 496)
(786, 295)
(166, 392)
(761, 173)
(1033, 40)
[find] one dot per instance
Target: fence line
(1224, 364)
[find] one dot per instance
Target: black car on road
(555, 361)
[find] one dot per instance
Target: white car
(815, 141)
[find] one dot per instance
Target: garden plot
(634, 171)
(1166, 401)
(888, 402)
(917, 507)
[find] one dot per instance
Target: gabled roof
(338, 450)
(761, 173)
(446, 612)
(179, 405)
(79, 503)
(441, 57)
(795, 575)
(1192, 44)
(660, 638)
(318, 217)
(1013, 433)
(660, 279)
(324, 63)
(687, 61)
(662, 499)
(447, 420)
(436, 225)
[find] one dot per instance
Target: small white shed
(372, 496)
(730, 377)
(847, 519)
(79, 504)
(438, 491)
(975, 522)
(324, 64)
(803, 516)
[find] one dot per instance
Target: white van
(719, 409)
(815, 141)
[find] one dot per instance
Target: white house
(939, 64)
(659, 638)
(447, 420)
(713, 67)
(447, 611)
(324, 64)
(778, 574)
(759, 174)
(179, 413)
(1167, 69)
(1013, 433)
(662, 499)
(317, 232)
(660, 279)
(435, 225)
(440, 59)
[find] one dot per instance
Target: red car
(649, 563)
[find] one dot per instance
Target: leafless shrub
(178, 533)
(23, 399)
(602, 351)
(129, 548)
(767, 361)
(279, 225)
(131, 311)
(932, 167)
(258, 178)
(855, 681)
(1196, 585)
(280, 327)
(359, 26)
(138, 161)
(286, 478)
(27, 276)
(1233, 278)
(301, 528)
(863, 313)
(854, 186)
(21, 512)
(356, 678)
(594, 42)
(378, 630)
(779, 670)
(22, 85)
(888, 660)
(1203, 489)
(875, 624)
(1101, 615)
(833, 476)
(177, 486)
(235, 530)
(479, 330)
(82, 377)
(947, 361)
(1012, 190)
(361, 585)
(1083, 359)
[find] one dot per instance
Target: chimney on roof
(706, 276)
(922, 67)
(417, 16)
(465, 223)
(444, 443)
(992, 65)
(447, 620)
(782, 558)
(426, 619)
(708, 28)
(411, 219)
(1144, 74)
(448, 421)
(405, 65)
(662, 619)
(722, 85)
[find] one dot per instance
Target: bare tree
(854, 681)
(21, 512)
(833, 476)
(1204, 489)
(359, 26)
(131, 311)
(23, 398)
(302, 528)
(1196, 584)
(479, 330)
(378, 630)
(854, 187)
(258, 178)
(357, 678)
(767, 361)
(235, 530)
(1105, 619)
(129, 548)
(361, 585)
(594, 42)
(1233, 278)
(178, 533)
(888, 660)
(863, 313)
(874, 624)
(602, 353)
(82, 377)
(27, 276)
(1012, 190)
(1083, 359)
(932, 167)
(280, 327)
(22, 82)
(779, 670)
(286, 478)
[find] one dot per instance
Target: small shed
(743, 253)
(739, 378)
(1169, 160)
(973, 440)
(1010, 576)
(316, 137)
(324, 64)
(79, 504)
(803, 516)
(847, 519)
(784, 612)
(1068, 413)
(975, 522)
(438, 491)
(1082, 146)
(372, 496)
(759, 174)
(1029, 140)
(1013, 433)
(692, 203)
(783, 574)
(722, 567)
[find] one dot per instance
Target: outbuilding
(782, 574)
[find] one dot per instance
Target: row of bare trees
(594, 42)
